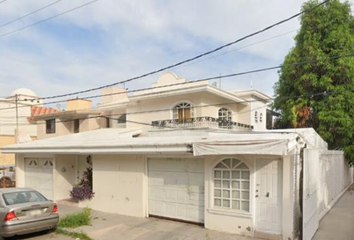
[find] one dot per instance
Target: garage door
(39, 175)
(176, 188)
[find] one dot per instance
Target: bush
(82, 192)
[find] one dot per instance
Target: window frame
(228, 117)
(50, 126)
(218, 189)
(76, 125)
(182, 106)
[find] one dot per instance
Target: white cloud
(126, 38)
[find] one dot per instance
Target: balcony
(200, 122)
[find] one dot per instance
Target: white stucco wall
(228, 220)
(119, 183)
(64, 176)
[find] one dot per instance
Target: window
(232, 185)
(122, 118)
(76, 125)
(260, 117)
(23, 197)
(225, 118)
(50, 126)
(255, 116)
(183, 112)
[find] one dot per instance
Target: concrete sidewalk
(107, 226)
(338, 224)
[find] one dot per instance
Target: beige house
(78, 117)
(29, 105)
(191, 152)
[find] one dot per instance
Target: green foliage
(75, 220)
(75, 235)
(325, 32)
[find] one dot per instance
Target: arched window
(232, 185)
(182, 112)
(225, 118)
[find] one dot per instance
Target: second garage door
(39, 175)
(176, 188)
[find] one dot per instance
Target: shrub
(82, 192)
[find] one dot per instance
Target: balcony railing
(200, 122)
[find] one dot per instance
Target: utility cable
(193, 58)
(29, 14)
(47, 19)
(194, 81)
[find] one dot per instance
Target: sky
(112, 40)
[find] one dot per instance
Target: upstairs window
(256, 116)
(50, 126)
(232, 185)
(225, 118)
(183, 112)
(76, 125)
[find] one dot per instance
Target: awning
(259, 147)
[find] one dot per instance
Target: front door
(268, 195)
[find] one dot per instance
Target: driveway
(339, 222)
(119, 227)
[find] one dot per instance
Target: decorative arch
(232, 185)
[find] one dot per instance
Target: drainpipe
(301, 146)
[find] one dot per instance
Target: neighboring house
(204, 157)
(78, 117)
(28, 106)
(174, 103)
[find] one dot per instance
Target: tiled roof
(37, 111)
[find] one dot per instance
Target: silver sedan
(24, 210)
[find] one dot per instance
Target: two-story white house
(180, 150)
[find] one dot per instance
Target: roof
(38, 110)
(67, 114)
(252, 92)
(189, 88)
(122, 141)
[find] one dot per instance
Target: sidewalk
(338, 224)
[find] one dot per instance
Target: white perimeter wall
(119, 183)
(335, 177)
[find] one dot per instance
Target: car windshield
(23, 197)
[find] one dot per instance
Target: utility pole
(17, 133)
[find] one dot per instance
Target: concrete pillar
(288, 198)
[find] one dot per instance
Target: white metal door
(310, 219)
(176, 188)
(268, 195)
(39, 175)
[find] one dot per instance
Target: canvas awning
(259, 147)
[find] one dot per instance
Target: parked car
(25, 210)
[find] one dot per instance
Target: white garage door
(176, 188)
(39, 175)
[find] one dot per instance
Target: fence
(335, 177)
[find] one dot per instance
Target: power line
(190, 59)
(199, 80)
(325, 94)
(3, 1)
(31, 13)
(47, 19)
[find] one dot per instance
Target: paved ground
(338, 224)
(118, 227)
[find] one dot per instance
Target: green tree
(325, 32)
